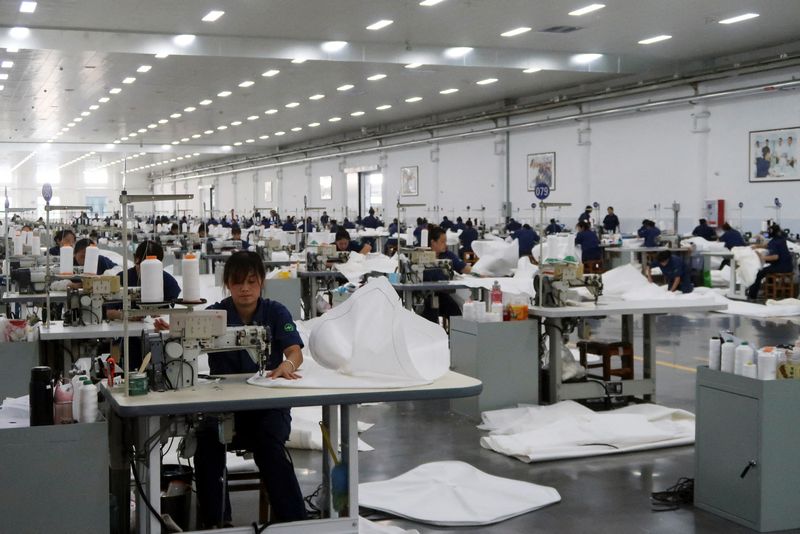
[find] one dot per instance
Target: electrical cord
(145, 499)
(682, 492)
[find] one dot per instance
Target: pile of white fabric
(495, 257)
(357, 265)
(569, 430)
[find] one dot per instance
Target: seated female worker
(778, 259)
(675, 271)
(264, 432)
(437, 240)
(344, 244)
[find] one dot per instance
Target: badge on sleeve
(288, 327)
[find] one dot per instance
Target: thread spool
(727, 361)
(714, 353)
(767, 365)
(190, 267)
(19, 242)
(743, 356)
(36, 245)
(89, 412)
(90, 260)
(423, 239)
(65, 260)
(749, 370)
(152, 280)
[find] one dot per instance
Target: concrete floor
(600, 495)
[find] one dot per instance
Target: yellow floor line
(671, 365)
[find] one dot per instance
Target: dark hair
(469, 223)
(372, 211)
(703, 221)
(775, 231)
(611, 208)
(202, 228)
(583, 225)
(236, 229)
(764, 151)
(552, 221)
(82, 244)
(664, 255)
(58, 236)
(527, 226)
(726, 227)
(241, 265)
(459, 219)
(148, 248)
(174, 227)
(342, 233)
(434, 233)
(420, 221)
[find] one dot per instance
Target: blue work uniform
(288, 227)
(675, 268)
(353, 246)
(392, 228)
(586, 216)
(762, 167)
(447, 306)
(650, 236)
(467, 237)
(705, 231)
(590, 245)
(446, 224)
(513, 226)
(418, 235)
(732, 238)
(55, 250)
(459, 226)
(370, 221)
(611, 222)
(264, 432)
(526, 239)
(552, 228)
(350, 225)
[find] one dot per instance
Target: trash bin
(176, 493)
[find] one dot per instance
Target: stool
(779, 286)
(470, 258)
(593, 267)
(606, 350)
(251, 481)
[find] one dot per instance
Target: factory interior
(399, 266)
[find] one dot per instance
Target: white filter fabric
(701, 244)
(495, 258)
(365, 526)
(320, 238)
(307, 435)
(454, 494)
(747, 264)
(357, 265)
(569, 430)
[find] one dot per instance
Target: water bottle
(41, 397)
(496, 294)
(62, 403)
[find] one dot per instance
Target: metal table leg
(330, 418)
(349, 422)
(553, 328)
(148, 467)
(312, 282)
(649, 352)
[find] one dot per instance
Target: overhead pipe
(575, 117)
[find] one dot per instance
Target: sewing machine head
(560, 281)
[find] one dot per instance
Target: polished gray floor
(599, 495)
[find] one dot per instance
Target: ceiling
(78, 51)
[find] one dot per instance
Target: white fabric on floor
(370, 341)
(365, 526)
(721, 276)
(748, 264)
(454, 494)
(569, 430)
(306, 433)
(495, 258)
(357, 265)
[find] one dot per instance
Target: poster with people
(542, 169)
(409, 181)
(773, 155)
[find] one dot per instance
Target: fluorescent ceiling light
(70, 124)
(413, 65)
(85, 113)
(376, 77)
(163, 121)
(270, 73)
(334, 119)
(356, 113)
(116, 141)
(142, 130)
(189, 109)
(251, 140)
(115, 91)
(175, 143)
(222, 127)
(19, 32)
(253, 118)
(175, 116)
(486, 81)
(587, 9)
(345, 87)
(132, 134)
(184, 139)
(208, 132)
(94, 107)
(448, 91)
(161, 55)
(532, 70)
(265, 136)
(236, 123)
(129, 79)
(739, 18)
(197, 136)
(144, 68)
(457, 51)
(184, 39)
(429, 3)
(280, 133)
(124, 138)
(205, 102)
(224, 94)
(333, 46)
(316, 97)
(272, 111)
(296, 129)
(516, 31)
(656, 39)
(103, 100)
(413, 99)
(152, 126)
(225, 147)
(299, 60)
(3, 76)
(291, 105)
(77, 119)
(12, 50)
(383, 107)
(7, 64)
(313, 124)
(247, 83)
(237, 143)
(380, 24)
(583, 59)
(212, 16)
(27, 7)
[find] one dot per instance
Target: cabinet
(501, 355)
(16, 361)
(741, 423)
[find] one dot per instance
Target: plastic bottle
(62, 403)
(36, 245)
(496, 293)
(727, 363)
(152, 279)
(743, 355)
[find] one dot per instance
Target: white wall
(632, 162)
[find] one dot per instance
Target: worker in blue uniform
(674, 270)
(447, 307)
(236, 235)
(731, 237)
(705, 231)
(288, 225)
(79, 258)
(588, 241)
(459, 224)
(343, 243)
(466, 238)
(552, 228)
(526, 239)
(62, 238)
(348, 224)
(777, 260)
(264, 432)
(611, 221)
(512, 225)
(370, 221)
(650, 232)
(586, 215)
(446, 223)
(421, 225)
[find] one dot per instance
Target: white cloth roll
(714, 353)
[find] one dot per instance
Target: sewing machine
(226, 244)
(559, 283)
(29, 280)
(414, 262)
(84, 306)
(266, 247)
(319, 257)
(174, 354)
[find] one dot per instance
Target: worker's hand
(284, 370)
(160, 325)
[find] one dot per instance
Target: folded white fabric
(701, 244)
(365, 526)
(307, 435)
(357, 265)
(454, 494)
(495, 258)
(569, 430)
